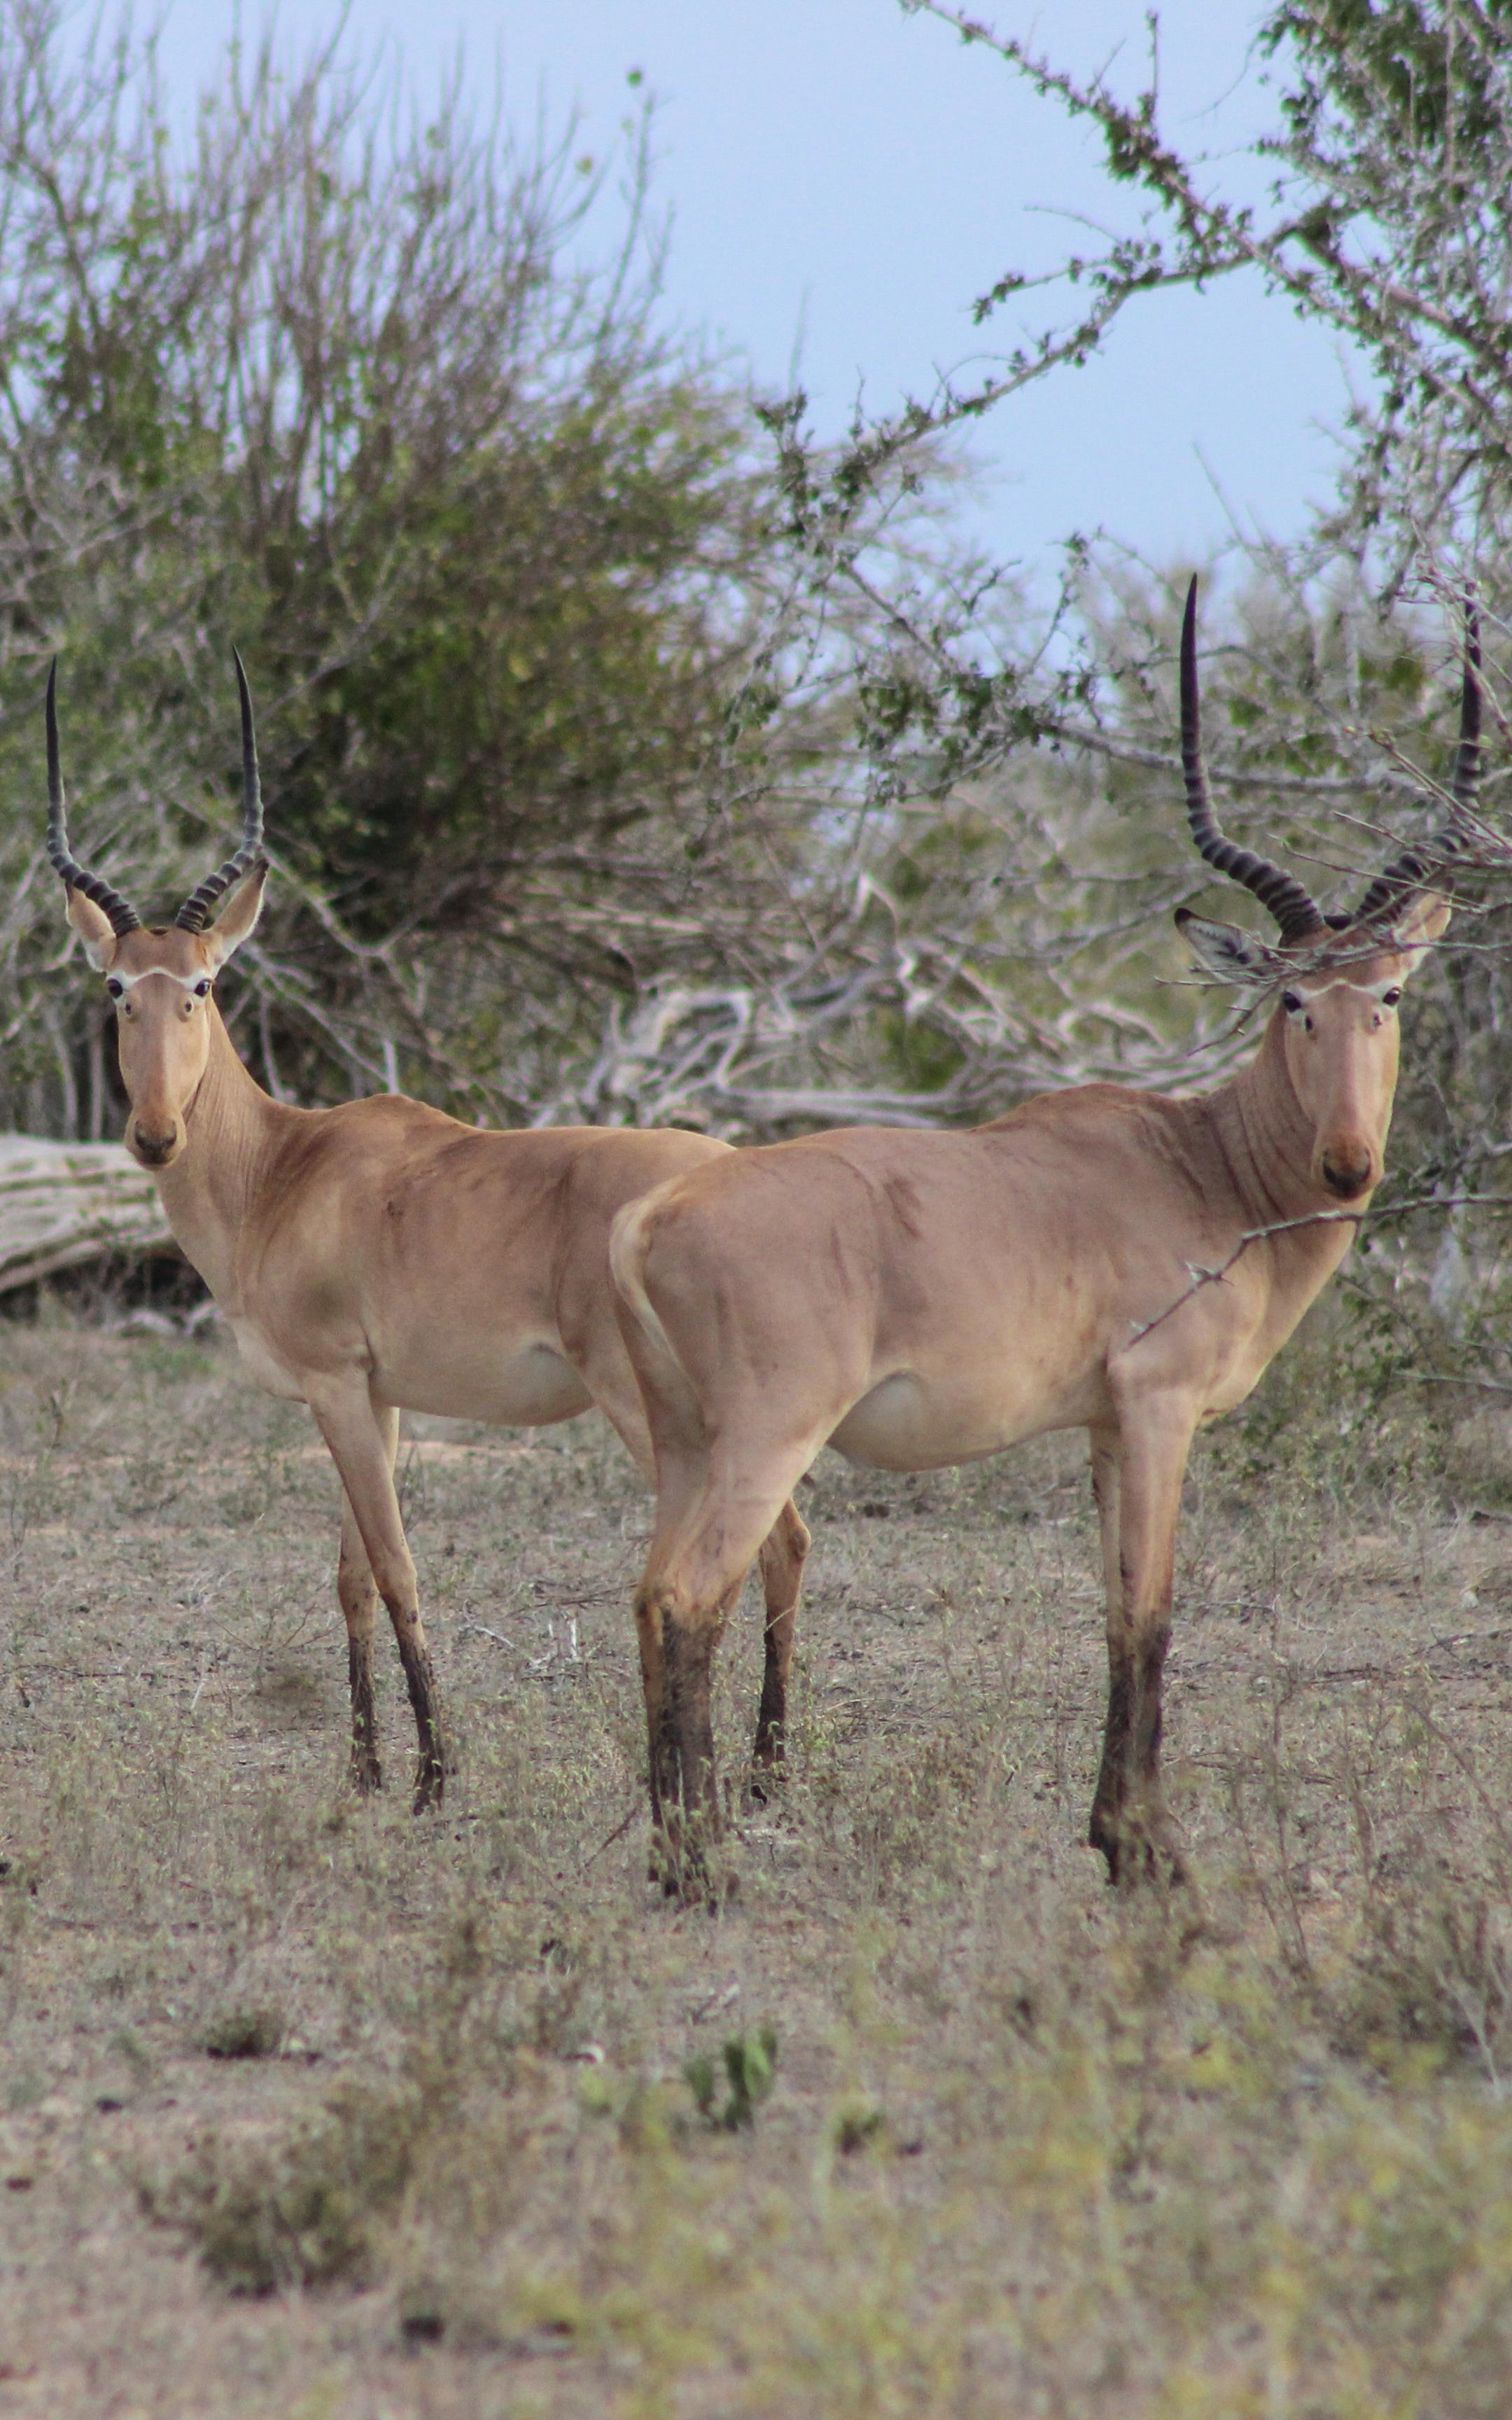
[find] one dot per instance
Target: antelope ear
(237, 918)
(94, 928)
(1422, 920)
(1233, 957)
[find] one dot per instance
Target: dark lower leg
(359, 1604)
(690, 1825)
(366, 1772)
(783, 1559)
(770, 1747)
(662, 1744)
(1130, 1824)
(1105, 1831)
(1146, 1824)
(688, 1655)
(1138, 1493)
(434, 1763)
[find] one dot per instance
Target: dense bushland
(631, 757)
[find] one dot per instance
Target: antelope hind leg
(781, 1561)
(698, 1557)
(684, 1800)
(663, 1770)
(358, 1592)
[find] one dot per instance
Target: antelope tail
(661, 1375)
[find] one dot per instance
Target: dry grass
(310, 2109)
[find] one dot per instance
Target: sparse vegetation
(1031, 2147)
(307, 2108)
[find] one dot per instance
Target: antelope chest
(263, 1365)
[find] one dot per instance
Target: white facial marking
(1342, 982)
(115, 985)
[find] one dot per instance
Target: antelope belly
(901, 1425)
(526, 1388)
(906, 1424)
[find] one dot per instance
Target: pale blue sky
(845, 180)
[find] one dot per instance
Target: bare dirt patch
(310, 2108)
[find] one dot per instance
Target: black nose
(155, 1149)
(1347, 1178)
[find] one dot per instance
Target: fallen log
(62, 1204)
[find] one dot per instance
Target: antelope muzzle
(155, 1145)
(1347, 1169)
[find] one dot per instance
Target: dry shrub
(304, 2208)
(1433, 1966)
(239, 2032)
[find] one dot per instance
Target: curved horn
(123, 916)
(1293, 909)
(1415, 868)
(192, 915)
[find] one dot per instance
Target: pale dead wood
(64, 1204)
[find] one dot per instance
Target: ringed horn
(123, 916)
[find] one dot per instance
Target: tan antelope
(917, 1299)
(379, 1255)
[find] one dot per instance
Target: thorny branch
(1201, 1277)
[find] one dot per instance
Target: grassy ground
(310, 2109)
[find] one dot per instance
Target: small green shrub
(750, 2070)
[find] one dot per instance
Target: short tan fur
(917, 1299)
(380, 1255)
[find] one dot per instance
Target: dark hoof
(769, 1754)
(430, 1788)
(366, 1775)
(693, 1874)
(1137, 1862)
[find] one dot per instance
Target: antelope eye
(202, 989)
(1291, 1001)
(113, 988)
(1390, 999)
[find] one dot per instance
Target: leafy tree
(334, 385)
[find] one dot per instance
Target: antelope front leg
(1137, 1480)
(783, 1559)
(361, 1436)
(358, 1592)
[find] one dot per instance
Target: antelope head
(161, 978)
(1336, 981)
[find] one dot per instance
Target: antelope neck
(1267, 1140)
(230, 1127)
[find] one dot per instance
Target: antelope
(923, 1298)
(378, 1256)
